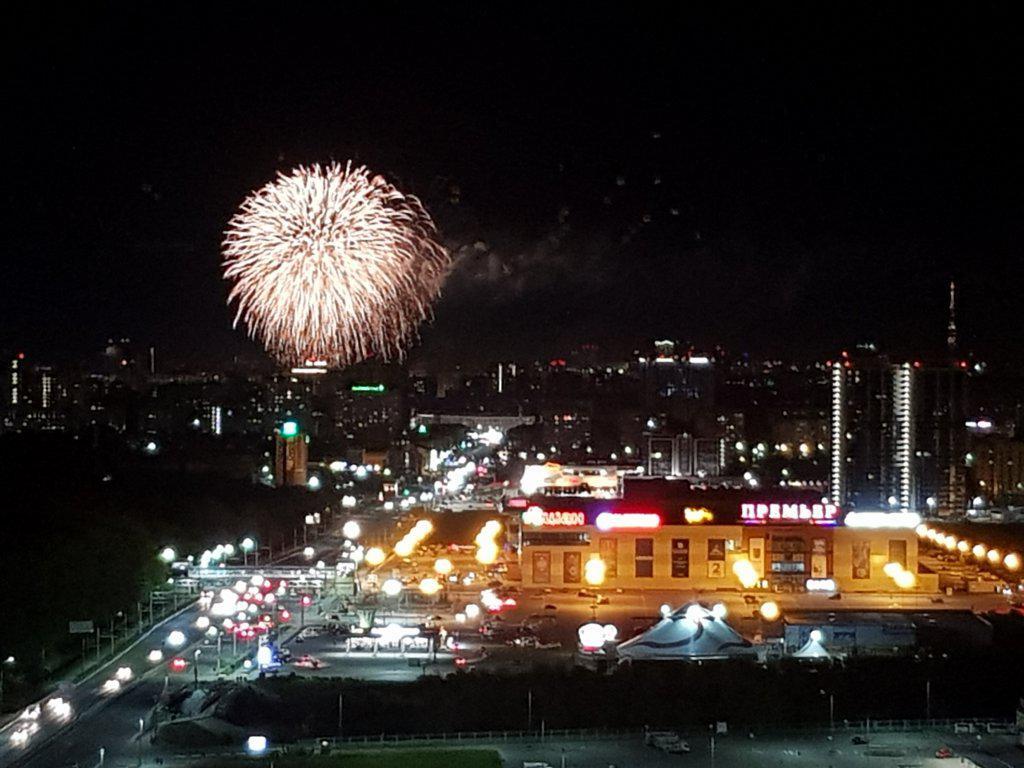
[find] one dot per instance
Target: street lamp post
(248, 545)
(8, 662)
(195, 666)
(142, 725)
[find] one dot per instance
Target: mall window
(898, 551)
(788, 555)
(644, 560)
(610, 554)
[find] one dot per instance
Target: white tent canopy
(692, 632)
(812, 649)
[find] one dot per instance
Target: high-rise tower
(951, 341)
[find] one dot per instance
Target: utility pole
(340, 711)
(529, 709)
(928, 700)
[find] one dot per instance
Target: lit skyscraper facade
(896, 435)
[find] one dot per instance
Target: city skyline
(516, 385)
(761, 184)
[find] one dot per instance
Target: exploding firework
(333, 264)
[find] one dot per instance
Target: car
(600, 600)
(943, 752)
(585, 593)
(750, 600)
(308, 662)
(859, 740)
(550, 607)
(835, 596)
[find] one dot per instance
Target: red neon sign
(540, 517)
(815, 514)
(611, 521)
(517, 503)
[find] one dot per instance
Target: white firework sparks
(333, 263)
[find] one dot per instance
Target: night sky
(772, 180)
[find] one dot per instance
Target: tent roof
(812, 649)
(691, 632)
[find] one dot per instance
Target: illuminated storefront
(722, 539)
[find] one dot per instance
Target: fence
(976, 725)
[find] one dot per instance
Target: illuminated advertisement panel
(614, 521)
(787, 513)
(605, 521)
(554, 518)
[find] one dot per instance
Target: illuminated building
(669, 374)
(903, 424)
(837, 432)
(684, 456)
(46, 389)
(669, 535)
(290, 455)
(896, 435)
(996, 467)
(571, 480)
(215, 418)
(16, 379)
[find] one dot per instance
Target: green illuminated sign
(290, 429)
(368, 388)
(422, 429)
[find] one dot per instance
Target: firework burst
(333, 263)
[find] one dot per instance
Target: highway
(98, 718)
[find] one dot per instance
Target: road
(806, 749)
(736, 751)
(111, 720)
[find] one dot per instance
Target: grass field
(378, 758)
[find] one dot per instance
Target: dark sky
(788, 179)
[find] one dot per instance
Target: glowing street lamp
(905, 579)
(351, 530)
(430, 586)
(248, 545)
(168, 555)
(594, 571)
(443, 566)
(391, 587)
(404, 548)
(375, 556)
(487, 553)
(770, 611)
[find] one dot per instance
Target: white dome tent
(691, 633)
(813, 649)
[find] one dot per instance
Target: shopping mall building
(664, 534)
